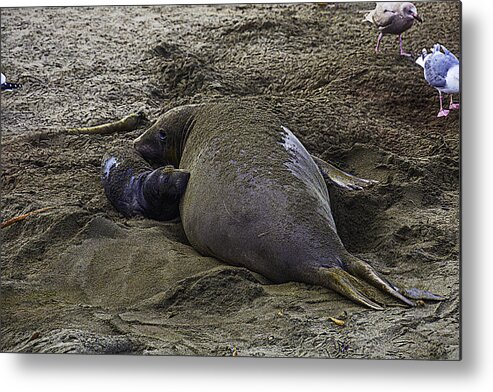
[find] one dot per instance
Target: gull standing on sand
(441, 71)
(6, 86)
(393, 18)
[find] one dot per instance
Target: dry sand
(80, 278)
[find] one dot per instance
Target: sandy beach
(80, 278)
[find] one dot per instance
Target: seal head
(163, 142)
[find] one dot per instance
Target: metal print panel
(272, 180)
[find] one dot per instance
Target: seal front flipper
(136, 190)
(341, 178)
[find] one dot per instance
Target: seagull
(393, 18)
(6, 86)
(441, 70)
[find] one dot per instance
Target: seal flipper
(352, 280)
(341, 178)
(344, 283)
(364, 271)
(415, 293)
(160, 191)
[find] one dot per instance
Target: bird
(393, 18)
(6, 86)
(442, 71)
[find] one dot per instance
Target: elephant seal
(134, 190)
(256, 199)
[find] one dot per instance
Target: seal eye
(162, 136)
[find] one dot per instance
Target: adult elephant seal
(256, 199)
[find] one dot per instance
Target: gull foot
(454, 106)
(443, 113)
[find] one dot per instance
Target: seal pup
(257, 199)
(134, 190)
(393, 18)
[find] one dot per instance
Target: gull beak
(418, 18)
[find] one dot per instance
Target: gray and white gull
(442, 71)
(393, 18)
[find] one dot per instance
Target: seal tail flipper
(341, 178)
(359, 282)
(364, 271)
(415, 293)
(344, 283)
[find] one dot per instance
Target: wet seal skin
(136, 190)
(257, 199)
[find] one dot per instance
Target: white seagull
(6, 86)
(441, 70)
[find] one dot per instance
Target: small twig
(19, 218)
(126, 124)
(338, 322)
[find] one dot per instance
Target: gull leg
(401, 48)
(379, 39)
(443, 112)
(453, 106)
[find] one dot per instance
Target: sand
(80, 278)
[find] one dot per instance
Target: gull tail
(369, 17)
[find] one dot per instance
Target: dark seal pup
(134, 190)
(257, 199)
